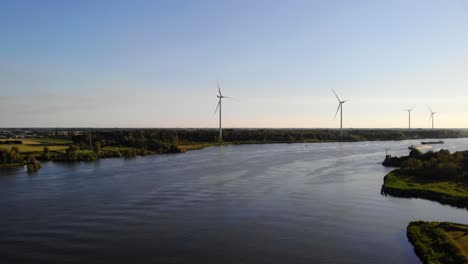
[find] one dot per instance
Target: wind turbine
(409, 116)
(340, 107)
(220, 96)
(431, 116)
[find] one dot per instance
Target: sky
(156, 63)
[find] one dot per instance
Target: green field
(199, 145)
(403, 182)
(439, 242)
(447, 192)
(38, 144)
(51, 141)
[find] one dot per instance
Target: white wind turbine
(431, 116)
(220, 96)
(409, 116)
(340, 107)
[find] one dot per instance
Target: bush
(412, 165)
(32, 167)
(73, 153)
(10, 156)
(448, 170)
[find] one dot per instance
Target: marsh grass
(397, 180)
(200, 145)
(439, 242)
(445, 192)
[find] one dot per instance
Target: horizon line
(312, 128)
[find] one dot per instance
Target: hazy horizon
(240, 128)
(121, 64)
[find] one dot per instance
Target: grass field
(38, 144)
(439, 242)
(403, 182)
(52, 141)
(198, 145)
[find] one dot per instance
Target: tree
(97, 147)
(412, 165)
(46, 153)
(32, 159)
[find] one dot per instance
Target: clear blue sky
(155, 63)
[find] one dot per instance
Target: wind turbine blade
(219, 89)
(336, 95)
(429, 108)
(430, 116)
(345, 101)
(217, 106)
(338, 109)
(412, 108)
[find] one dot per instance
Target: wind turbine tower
(409, 116)
(431, 116)
(220, 96)
(340, 108)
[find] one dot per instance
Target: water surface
(276, 203)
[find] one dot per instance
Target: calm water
(278, 203)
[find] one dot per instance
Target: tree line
(162, 139)
(441, 165)
(106, 143)
(13, 157)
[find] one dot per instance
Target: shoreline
(11, 165)
(183, 148)
(439, 242)
(194, 146)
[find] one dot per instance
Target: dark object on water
(432, 142)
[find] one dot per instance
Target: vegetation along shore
(438, 176)
(93, 144)
(439, 242)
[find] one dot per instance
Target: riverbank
(452, 193)
(439, 242)
(101, 144)
(200, 145)
(11, 165)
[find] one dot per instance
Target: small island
(437, 176)
(439, 242)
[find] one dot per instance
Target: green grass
(23, 148)
(199, 145)
(52, 141)
(396, 180)
(446, 192)
(439, 242)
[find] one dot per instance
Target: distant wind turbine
(340, 108)
(431, 116)
(409, 116)
(220, 96)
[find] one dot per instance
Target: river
(272, 203)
